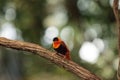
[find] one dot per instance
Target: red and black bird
(61, 47)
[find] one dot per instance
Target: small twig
(117, 17)
(53, 57)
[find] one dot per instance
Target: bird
(60, 47)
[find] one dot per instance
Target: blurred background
(88, 27)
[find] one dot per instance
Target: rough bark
(53, 57)
(117, 17)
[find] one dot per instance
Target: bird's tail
(68, 55)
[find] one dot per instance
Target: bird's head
(56, 42)
(56, 39)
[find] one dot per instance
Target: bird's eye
(55, 39)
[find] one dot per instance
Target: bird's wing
(68, 52)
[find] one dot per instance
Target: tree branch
(53, 57)
(117, 17)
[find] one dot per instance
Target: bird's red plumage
(61, 48)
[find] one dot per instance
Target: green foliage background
(30, 20)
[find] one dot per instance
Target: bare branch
(117, 17)
(53, 57)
